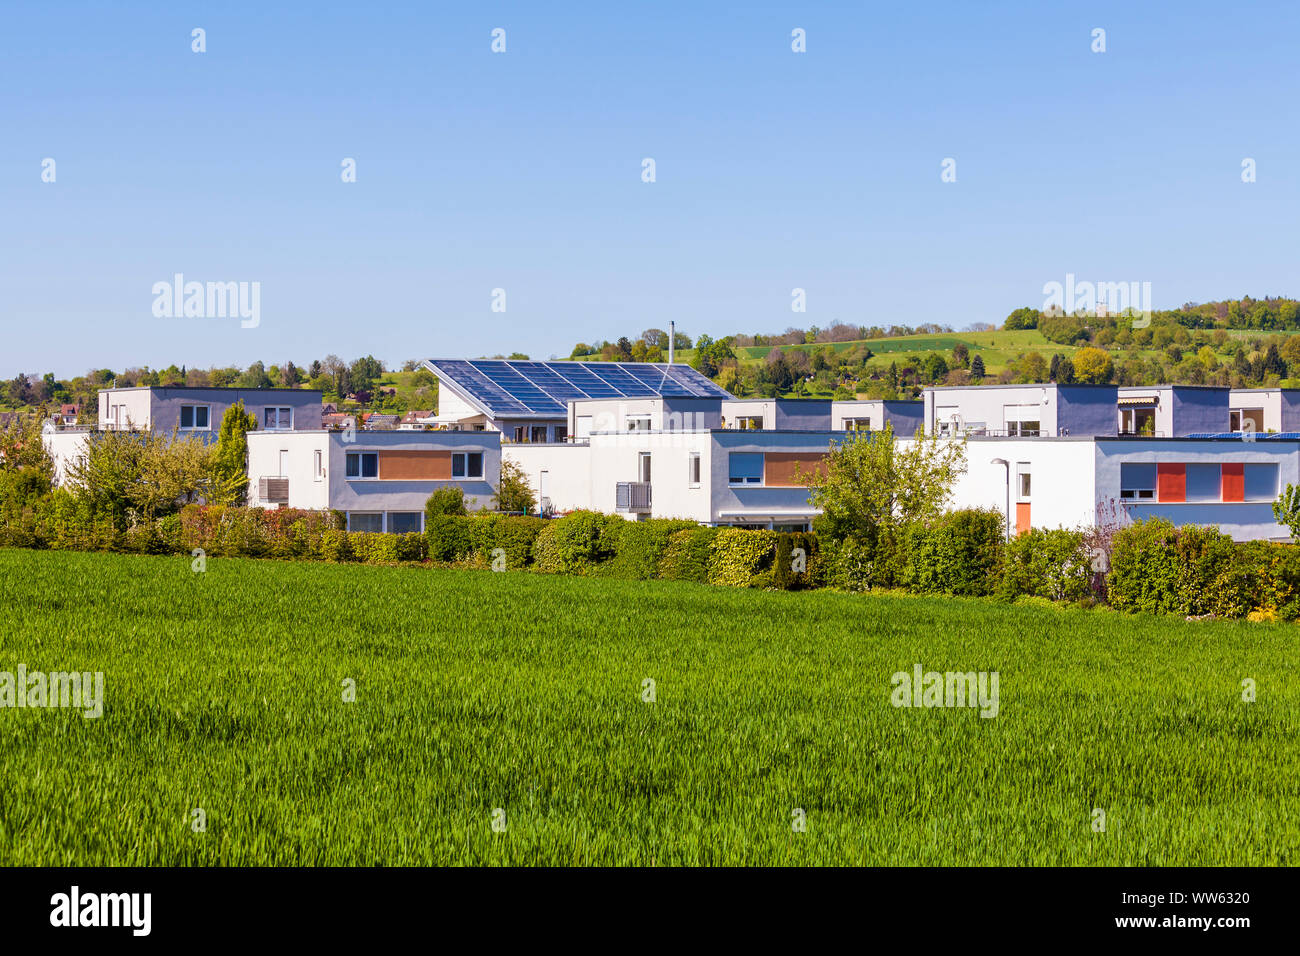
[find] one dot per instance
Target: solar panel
(525, 389)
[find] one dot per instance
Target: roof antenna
(672, 339)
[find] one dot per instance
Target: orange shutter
(1171, 482)
(779, 467)
(1233, 479)
(1022, 517)
(415, 465)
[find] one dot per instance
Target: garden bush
(1052, 564)
(686, 558)
(742, 558)
(639, 547)
(575, 543)
(796, 565)
(959, 552)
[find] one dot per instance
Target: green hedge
(639, 547)
(686, 558)
(576, 543)
(958, 553)
(1052, 564)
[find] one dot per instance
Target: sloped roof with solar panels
(506, 388)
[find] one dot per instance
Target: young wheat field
(508, 718)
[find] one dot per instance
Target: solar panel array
(514, 389)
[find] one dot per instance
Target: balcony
(273, 491)
(633, 496)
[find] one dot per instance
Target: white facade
(1077, 483)
(688, 474)
(380, 479)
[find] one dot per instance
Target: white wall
(1062, 479)
(65, 447)
(987, 405)
(567, 467)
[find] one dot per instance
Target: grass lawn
(477, 691)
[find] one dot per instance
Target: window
(519, 434)
(748, 422)
(195, 418)
(1023, 429)
(1203, 483)
(638, 423)
(745, 468)
(365, 521)
(561, 432)
(1261, 482)
(278, 418)
(467, 464)
(537, 434)
(317, 471)
(363, 464)
(1140, 420)
(693, 469)
(404, 522)
(1137, 480)
(643, 466)
(1023, 483)
(857, 424)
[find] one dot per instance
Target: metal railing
(632, 496)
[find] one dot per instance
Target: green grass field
(478, 691)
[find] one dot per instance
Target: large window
(1137, 480)
(1261, 482)
(857, 424)
(195, 418)
(404, 522)
(745, 468)
(277, 418)
(467, 464)
(363, 464)
(638, 423)
(365, 521)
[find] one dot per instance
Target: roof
(504, 388)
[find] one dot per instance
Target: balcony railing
(633, 496)
(273, 490)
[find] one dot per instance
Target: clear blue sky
(522, 170)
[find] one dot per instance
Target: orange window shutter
(1171, 482)
(1233, 482)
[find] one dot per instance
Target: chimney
(672, 336)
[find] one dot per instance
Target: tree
(960, 355)
(139, 476)
(1093, 366)
(1026, 318)
(26, 469)
(1031, 368)
(514, 492)
(255, 377)
(868, 484)
(977, 367)
(1287, 510)
(230, 458)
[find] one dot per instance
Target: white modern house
(184, 411)
(716, 476)
(1099, 482)
(380, 479)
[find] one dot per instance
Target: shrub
(515, 536)
(958, 553)
(639, 546)
(1049, 564)
(445, 501)
(448, 537)
(575, 543)
(1161, 569)
(686, 558)
(334, 545)
(742, 558)
(796, 565)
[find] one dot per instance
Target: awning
(1139, 400)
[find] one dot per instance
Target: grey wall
(371, 495)
(906, 417)
(1199, 410)
(803, 414)
(1087, 410)
(165, 406)
(1290, 410)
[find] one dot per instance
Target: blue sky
(522, 170)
